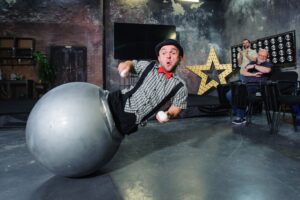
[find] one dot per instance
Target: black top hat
(169, 42)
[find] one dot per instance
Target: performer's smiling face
(169, 57)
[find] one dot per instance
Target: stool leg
(249, 113)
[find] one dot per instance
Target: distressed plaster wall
(255, 19)
(200, 26)
(210, 23)
(56, 22)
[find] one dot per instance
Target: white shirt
(245, 60)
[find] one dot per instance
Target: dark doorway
(70, 63)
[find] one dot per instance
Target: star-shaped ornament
(212, 62)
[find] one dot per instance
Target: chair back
(286, 81)
(270, 94)
(239, 94)
(284, 76)
(222, 89)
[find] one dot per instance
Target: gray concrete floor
(186, 159)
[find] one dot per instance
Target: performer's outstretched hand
(162, 117)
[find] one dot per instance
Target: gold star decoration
(198, 70)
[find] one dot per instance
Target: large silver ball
(71, 131)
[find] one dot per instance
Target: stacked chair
(279, 95)
(280, 92)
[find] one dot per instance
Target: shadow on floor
(102, 187)
(281, 142)
(154, 138)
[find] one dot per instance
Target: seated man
(255, 72)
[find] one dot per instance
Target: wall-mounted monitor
(137, 41)
(281, 47)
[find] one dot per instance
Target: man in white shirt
(246, 55)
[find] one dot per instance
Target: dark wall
(56, 22)
(210, 23)
(199, 27)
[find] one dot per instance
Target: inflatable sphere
(71, 131)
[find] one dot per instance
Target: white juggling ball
(162, 116)
(124, 73)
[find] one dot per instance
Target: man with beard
(157, 84)
(246, 55)
(255, 72)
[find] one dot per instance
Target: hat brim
(169, 42)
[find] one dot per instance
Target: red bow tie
(167, 74)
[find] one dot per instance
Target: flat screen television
(137, 41)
